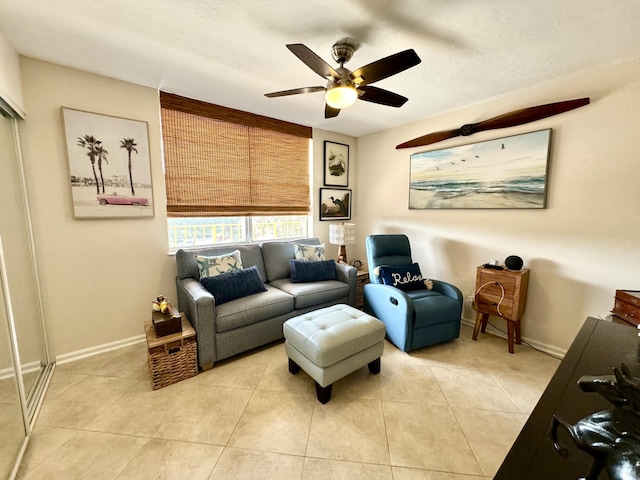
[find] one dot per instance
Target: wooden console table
(599, 346)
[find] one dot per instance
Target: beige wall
(10, 84)
(580, 249)
(98, 277)
(321, 228)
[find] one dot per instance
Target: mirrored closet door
(25, 364)
(12, 425)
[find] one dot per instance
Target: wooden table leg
(511, 326)
(485, 319)
(518, 335)
(481, 321)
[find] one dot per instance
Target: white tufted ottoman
(332, 342)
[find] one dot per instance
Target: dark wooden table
(599, 346)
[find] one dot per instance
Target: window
(232, 176)
(187, 232)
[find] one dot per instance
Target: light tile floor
(449, 412)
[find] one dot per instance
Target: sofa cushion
(404, 277)
(187, 266)
(277, 255)
(234, 285)
(253, 309)
(310, 253)
(313, 293)
(303, 271)
(212, 266)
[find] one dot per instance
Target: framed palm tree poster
(109, 165)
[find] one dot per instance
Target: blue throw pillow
(405, 277)
(234, 285)
(303, 271)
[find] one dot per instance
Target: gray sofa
(249, 322)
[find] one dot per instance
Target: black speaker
(513, 262)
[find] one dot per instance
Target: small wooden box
(627, 306)
(172, 358)
(166, 323)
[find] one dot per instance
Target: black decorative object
(611, 437)
(513, 262)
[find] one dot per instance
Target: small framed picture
(336, 164)
(335, 204)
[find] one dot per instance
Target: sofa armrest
(199, 307)
(347, 274)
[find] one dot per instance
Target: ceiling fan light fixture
(341, 96)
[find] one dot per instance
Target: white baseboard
(26, 368)
(98, 349)
(7, 373)
(543, 347)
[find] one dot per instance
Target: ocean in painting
(506, 173)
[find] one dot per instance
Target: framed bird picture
(336, 164)
(335, 204)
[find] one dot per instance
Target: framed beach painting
(509, 172)
(335, 204)
(109, 165)
(336, 164)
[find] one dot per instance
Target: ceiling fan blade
(313, 61)
(294, 91)
(530, 114)
(330, 112)
(512, 119)
(381, 96)
(385, 67)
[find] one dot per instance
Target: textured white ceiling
(232, 52)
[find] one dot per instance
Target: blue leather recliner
(415, 318)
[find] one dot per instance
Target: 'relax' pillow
(404, 277)
(214, 266)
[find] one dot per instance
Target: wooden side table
(362, 278)
(502, 293)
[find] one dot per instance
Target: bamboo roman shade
(224, 162)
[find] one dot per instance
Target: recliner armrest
(385, 299)
(394, 307)
(199, 307)
(447, 289)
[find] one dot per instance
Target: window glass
(200, 231)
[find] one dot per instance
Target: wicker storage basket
(172, 358)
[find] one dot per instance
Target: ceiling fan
(511, 119)
(344, 87)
